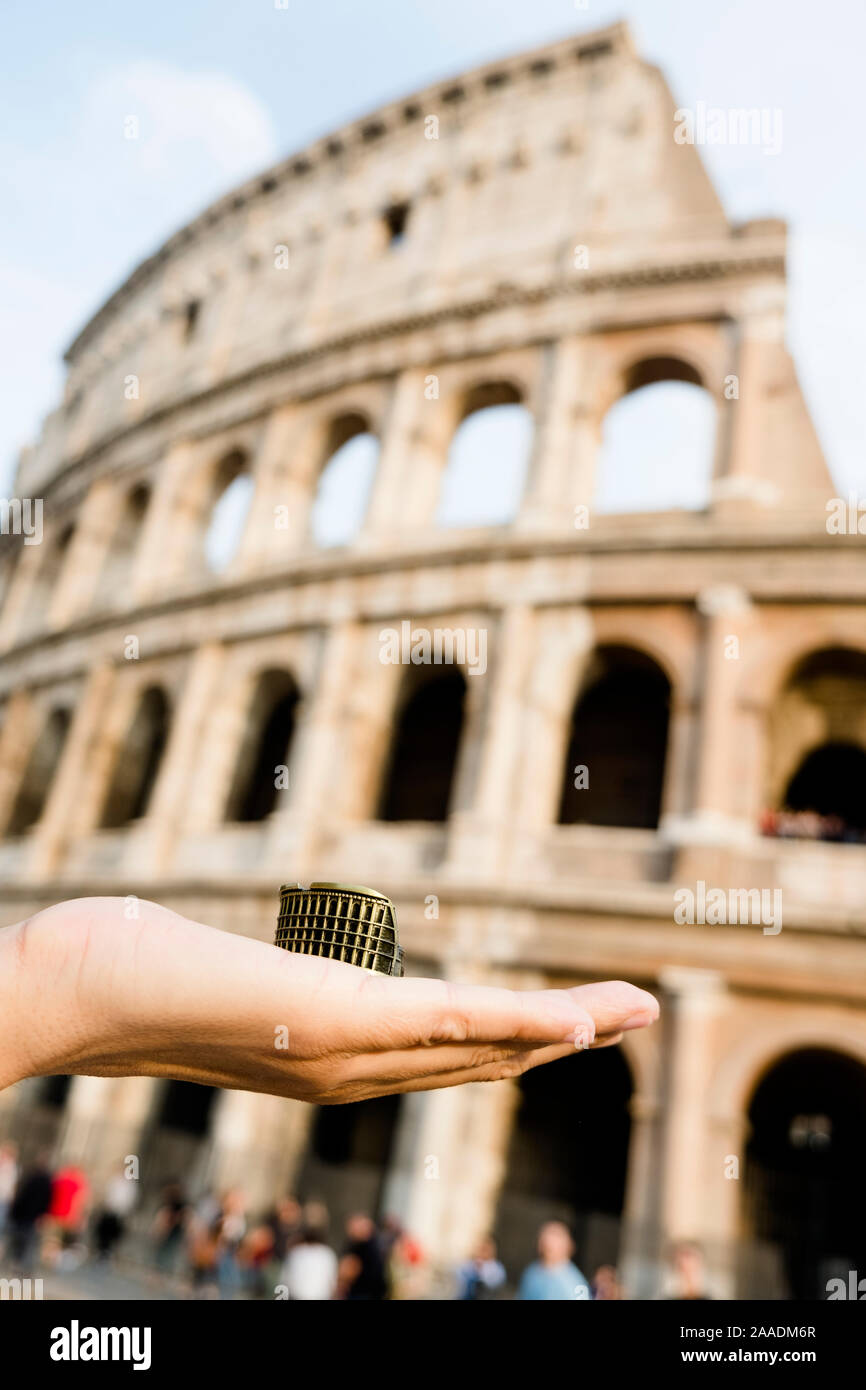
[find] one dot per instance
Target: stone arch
(113, 587)
(350, 457)
(742, 1066)
(818, 714)
(227, 506)
(487, 465)
(420, 774)
(48, 577)
(801, 1195)
(265, 747)
(39, 772)
(615, 765)
(567, 1160)
(658, 439)
(137, 761)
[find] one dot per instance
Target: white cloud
(203, 124)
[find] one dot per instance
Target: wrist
(16, 1061)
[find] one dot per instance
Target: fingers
(430, 1012)
(467, 1013)
(617, 1006)
(408, 1077)
(430, 1067)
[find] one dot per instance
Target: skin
(84, 991)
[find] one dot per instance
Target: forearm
(15, 1007)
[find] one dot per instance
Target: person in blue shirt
(554, 1274)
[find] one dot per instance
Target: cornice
(364, 132)
(738, 260)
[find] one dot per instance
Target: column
(564, 455)
(181, 765)
(693, 1003)
(79, 578)
(285, 476)
(449, 1165)
(555, 674)
(641, 1242)
(477, 837)
(18, 731)
(20, 592)
(88, 1108)
(318, 767)
(70, 799)
(743, 481)
(258, 1142)
(727, 613)
(413, 455)
(172, 520)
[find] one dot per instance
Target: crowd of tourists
(215, 1247)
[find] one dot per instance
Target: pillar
(719, 755)
(449, 1164)
(478, 834)
(397, 461)
(554, 678)
(258, 1142)
(19, 730)
(173, 518)
(283, 474)
(79, 579)
(318, 767)
(693, 1002)
(564, 456)
(181, 763)
(70, 799)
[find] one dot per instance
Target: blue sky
(225, 87)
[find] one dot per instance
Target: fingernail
(584, 1036)
(639, 1020)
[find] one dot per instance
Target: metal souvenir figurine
(341, 921)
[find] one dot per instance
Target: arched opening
(176, 1146)
(39, 773)
(348, 1157)
(488, 460)
(830, 784)
(345, 482)
(55, 551)
(36, 1124)
(117, 571)
(137, 764)
(420, 776)
(658, 441)
(262, 765)
(231, 500)
(803, 1190)
(614, 771)
(567, 1159)
(817, 750)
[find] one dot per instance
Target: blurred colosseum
(410, 381)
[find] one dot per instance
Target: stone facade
(245, 345)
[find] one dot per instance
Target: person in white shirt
(310, 1269)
